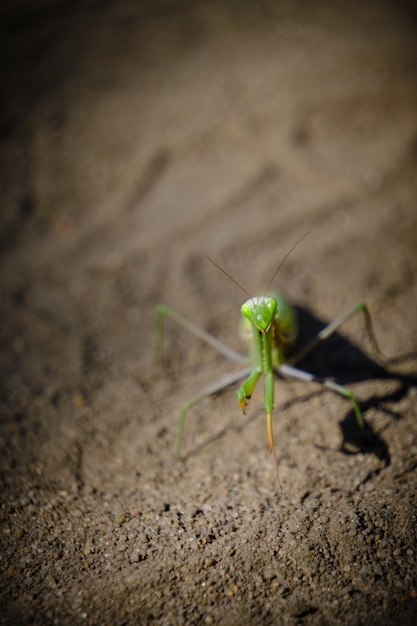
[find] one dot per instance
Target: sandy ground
(133, 136)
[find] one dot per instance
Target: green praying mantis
(269, 322)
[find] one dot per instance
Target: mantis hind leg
(161, 311)
(288, 369)
(293, 372)
(209, 391)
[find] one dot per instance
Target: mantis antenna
(273, 275)
(283, 261)
(229, 276)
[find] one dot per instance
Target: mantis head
(260, 311)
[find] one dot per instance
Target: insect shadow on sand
(339, 359)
